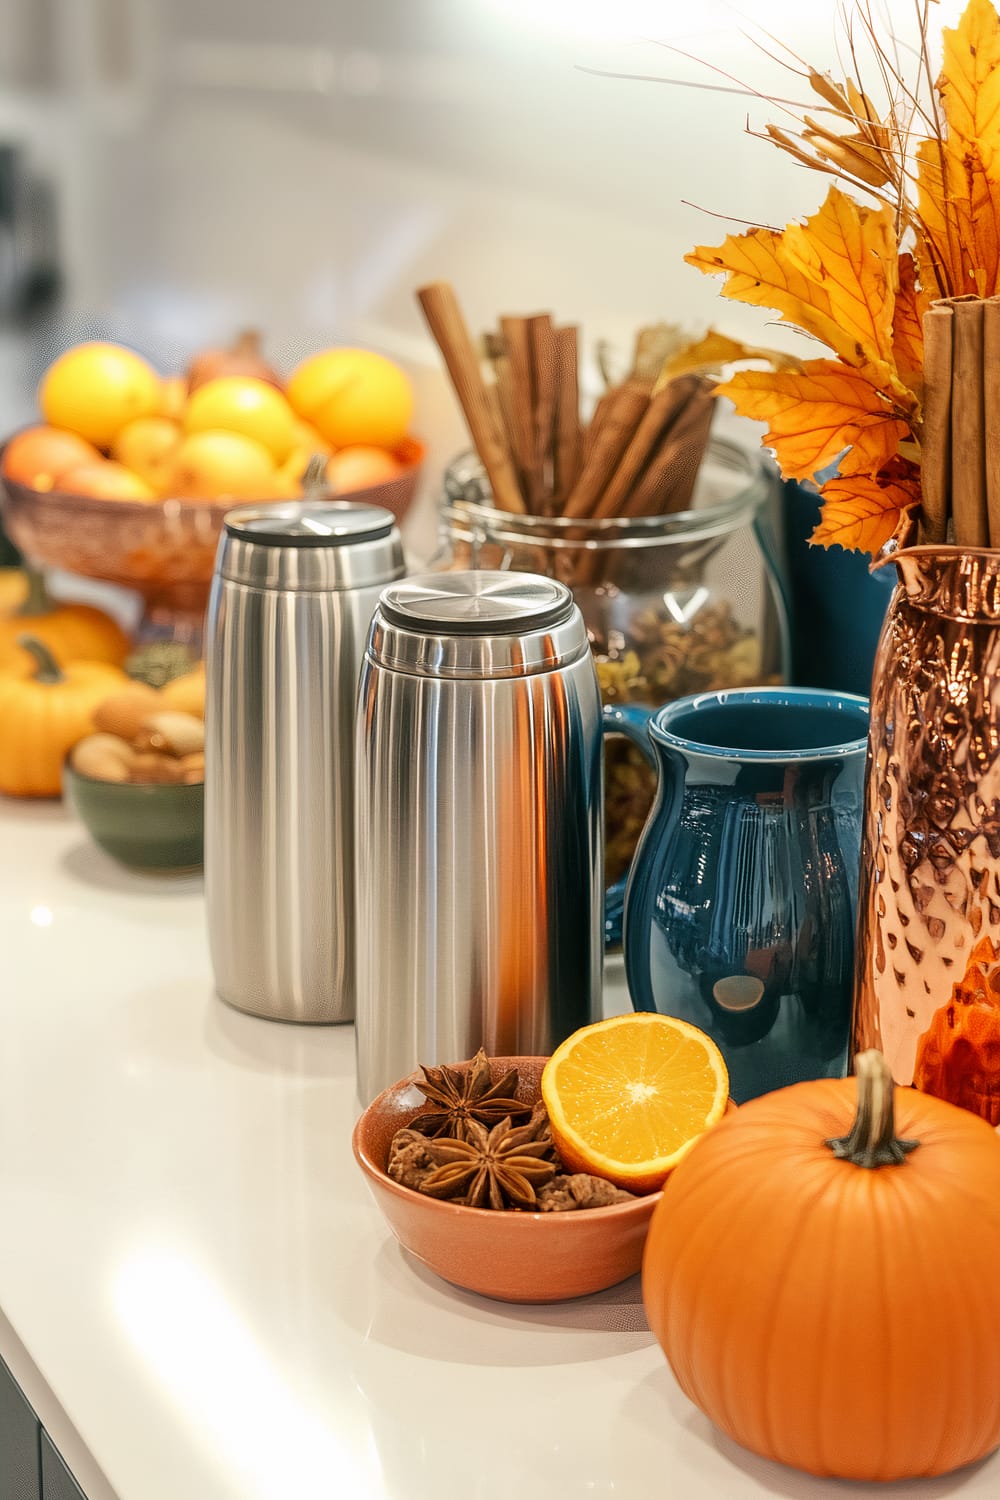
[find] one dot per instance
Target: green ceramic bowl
(145, 827)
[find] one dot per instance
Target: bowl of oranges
(128, 474)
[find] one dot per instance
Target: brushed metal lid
(310, 545)
(477, 603)
(308, 523)
(477, 624)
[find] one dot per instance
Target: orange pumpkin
(825, 1291)
(44, 714)
(13, 590)
(72, 632)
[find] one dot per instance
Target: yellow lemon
(353, 396)
(94, 389)
(145, 446)
(212, 465)
(243, 404)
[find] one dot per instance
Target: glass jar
(673, 604)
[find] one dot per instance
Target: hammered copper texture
(930, 879)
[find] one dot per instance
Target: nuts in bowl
(137, 782)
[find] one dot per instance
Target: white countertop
(198, 1293)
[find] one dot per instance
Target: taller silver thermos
(479, 824)
(292, 597)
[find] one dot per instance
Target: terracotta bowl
(515, 1257)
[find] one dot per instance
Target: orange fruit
(145, 446)
(360, 467)
(217, 465)
(245, 405)
(94, 389)
(353, 396)
(628, 1097)
(173, 394)
(105, 480)
(40, 455)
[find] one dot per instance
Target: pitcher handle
(631, 720)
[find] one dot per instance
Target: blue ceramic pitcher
(741, 902)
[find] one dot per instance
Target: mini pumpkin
(825, 1290)
(72, 632)
(43, 715)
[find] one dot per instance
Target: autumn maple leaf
(816, 413)
(833, 276)
(862, 512)
(959, 171)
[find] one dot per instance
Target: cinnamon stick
(935, 441)
(991, 410)
(541, 339)
(668, 483)
(664, 409)
(622, 416)
(518, 343)
(567, 412)
(602, 406)
(968, 467)
(444, 318)
(503, 389)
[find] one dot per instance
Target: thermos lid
(308, 523)
(477, 624)
(475, 603)
(310, 546)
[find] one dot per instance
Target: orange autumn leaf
(716, 349)
(816, 412)
(959, 179)
(860, 512)
(907, 326)
(832, 276)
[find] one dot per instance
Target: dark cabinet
(57, 1482)
(20, 1471)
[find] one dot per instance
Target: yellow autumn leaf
(831, 276)
(715, 350)
(815, 413)
(861, 513)
(959, 179)
(907, 326)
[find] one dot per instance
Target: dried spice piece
(578, 1190)
(465, 1096)
(409, 1161)
(498, 1168)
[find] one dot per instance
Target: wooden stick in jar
(664, 408)
(444, 318)
(991, 410)
(568, 436)
(668, 483)
(622, 417)
(935, 441)
(518, 344)
(968, 468)
(541, 337)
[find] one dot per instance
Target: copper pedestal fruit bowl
(162, 549)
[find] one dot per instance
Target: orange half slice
(628, 1097)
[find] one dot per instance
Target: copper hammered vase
(928, 977)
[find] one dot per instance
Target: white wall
(303, 165)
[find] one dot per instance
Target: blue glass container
(741, 903)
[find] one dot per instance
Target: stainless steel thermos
(479, 827)
(292, 596)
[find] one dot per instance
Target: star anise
(467, 1095)
(498, 1168)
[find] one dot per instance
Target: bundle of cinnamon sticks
(960, 443)
(639, 454)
